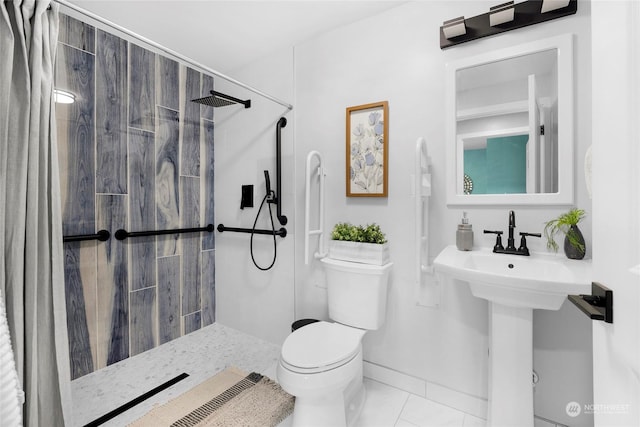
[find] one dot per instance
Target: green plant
(358, 233)
(563, 224)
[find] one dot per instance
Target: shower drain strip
(119, 410)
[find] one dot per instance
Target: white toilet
(321, 363)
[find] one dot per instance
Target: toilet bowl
(321, 363)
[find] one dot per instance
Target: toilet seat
(320, 347)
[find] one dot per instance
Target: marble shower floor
(208, 351)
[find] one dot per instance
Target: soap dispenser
(464, 235)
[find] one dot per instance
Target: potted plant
(357, 243)
(567, 223)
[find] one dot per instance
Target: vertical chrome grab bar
(422, 193)
(320, 253)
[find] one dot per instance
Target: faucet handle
(498, 246)
(523, 242)
(523, 234)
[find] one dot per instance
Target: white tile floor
(386, 406)
(204, 353)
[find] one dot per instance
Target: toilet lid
(321, 346)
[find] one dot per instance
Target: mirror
(510, 125)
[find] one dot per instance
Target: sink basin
(514, 285)
(540, 281)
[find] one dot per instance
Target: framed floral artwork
(367, 150)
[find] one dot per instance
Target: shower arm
(278, 199)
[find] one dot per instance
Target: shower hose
(270, 194)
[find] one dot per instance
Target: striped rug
(230, 398)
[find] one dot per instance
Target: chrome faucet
(511, 248)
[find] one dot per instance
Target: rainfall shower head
(218, 99)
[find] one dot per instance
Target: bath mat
(230, 398)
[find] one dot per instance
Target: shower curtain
(31, 265)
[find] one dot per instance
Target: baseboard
(474, 405)
(467, 403)
(395, 379)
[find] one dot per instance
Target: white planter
(365, 253)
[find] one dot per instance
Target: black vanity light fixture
(454, 27)
(504, 17)
(501, 14)
(549, 5)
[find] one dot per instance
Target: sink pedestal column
(510, 366)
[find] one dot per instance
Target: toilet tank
(357, 293)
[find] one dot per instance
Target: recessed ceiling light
(63, 97)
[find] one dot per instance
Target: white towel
(11, 395)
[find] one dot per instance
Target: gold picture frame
(367, 150)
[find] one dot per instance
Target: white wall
(616, 108)
(254, 301)
(394, 56)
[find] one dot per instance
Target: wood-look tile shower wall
(135, 153)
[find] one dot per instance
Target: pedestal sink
(514, 286)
